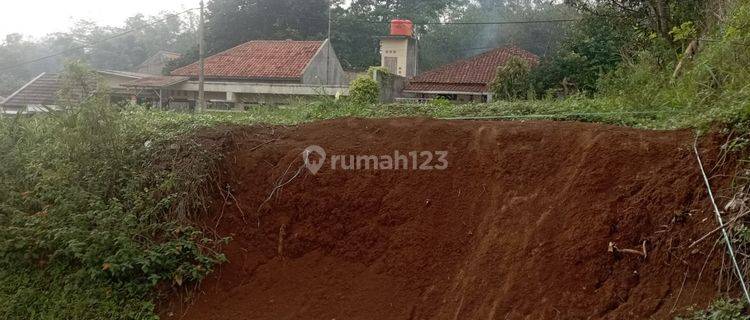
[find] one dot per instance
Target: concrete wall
(263, 88)
(395, 48)
(404, 50)
(412, 57)
(240, 94)
(323, 70)
(391, 86)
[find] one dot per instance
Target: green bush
(720, 310)
(512, 80)
(593, 49)
(714, 81)
(364, 91)
(90, 213)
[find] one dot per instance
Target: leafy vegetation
(149, 35)
(364, 91)
(512, 80)
(722, 309)
(98, 203)
(93, 213)
(592, 49)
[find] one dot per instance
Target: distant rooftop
(473, 74)
(40, 91)
(266, 60)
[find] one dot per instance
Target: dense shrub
(89, 214)
(364, 90)
(716, 79)
(593, 48)
(720, 310)
(512, 80)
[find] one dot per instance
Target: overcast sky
(39, 17)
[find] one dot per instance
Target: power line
(481, 22)
(124, 33)
(90, 44)
(385, 22)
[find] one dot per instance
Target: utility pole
(328, 54)
(201, 63)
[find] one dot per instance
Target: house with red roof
(256, 72)
(466, 80)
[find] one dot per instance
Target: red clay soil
(518, 226)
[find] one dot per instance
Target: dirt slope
(518, 226)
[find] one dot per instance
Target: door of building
(391, 63)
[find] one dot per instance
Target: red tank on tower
(401, 27)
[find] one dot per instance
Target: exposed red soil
(517, 227)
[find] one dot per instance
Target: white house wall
(320, 68)
(263, 88)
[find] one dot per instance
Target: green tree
(512, 80)
(358, 28)
(592, 49)
(650, 16)
(444, 44)
(232, 22)
(12, 52)
(149, 35)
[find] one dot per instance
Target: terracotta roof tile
(43, 89)
(478, 70)
(40, 91)
(258, 60)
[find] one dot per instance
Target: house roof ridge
(258, 59)
(472, 74)
(477, 69)
(14, 94)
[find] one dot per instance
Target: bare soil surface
(517, 227)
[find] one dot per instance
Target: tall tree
(358, 27)
(231, 22)
(443, 44)
(657, 16)
(146, 36)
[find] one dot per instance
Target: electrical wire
(124, 33)
(482, 22)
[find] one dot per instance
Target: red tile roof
(40, 91)
(469, 75)
(43, 89)
(284, 60)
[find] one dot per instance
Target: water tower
(399, 50)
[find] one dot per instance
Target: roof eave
(210, 78)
